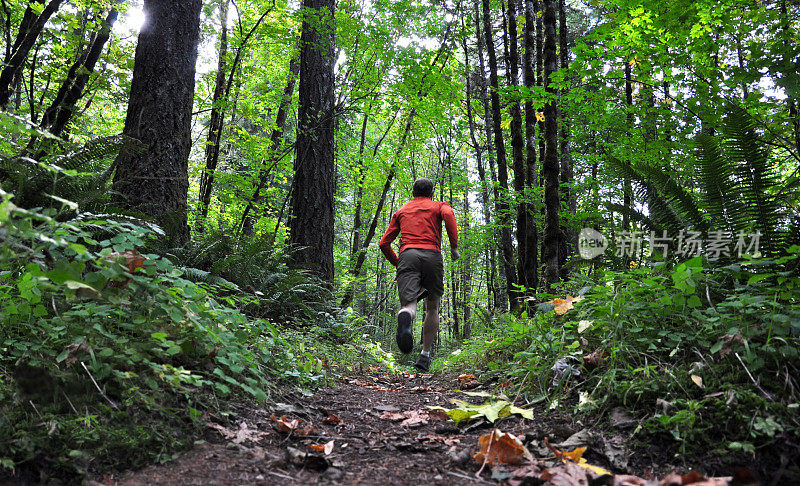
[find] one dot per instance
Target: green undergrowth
(705, 356)
(111, 359)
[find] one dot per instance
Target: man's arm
(386, 241)
(452, 229)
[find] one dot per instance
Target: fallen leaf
(500, 447)
(309, 429)
(466, 377)
(286, 425)
(563, 305)
(698, 381)
(584, 325)
(595, 360)
(326, 448)
(332, 419)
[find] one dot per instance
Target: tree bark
(501, 202)
(552, 229)
(499, 298)
(217, 119)
(159, 114)
(530, 234)
(313, 186)
(518, 150)
(26, 38)
(569, 241)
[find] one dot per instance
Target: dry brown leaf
(563, 305)
(595, 360)
(309, 429)
(500, 447)
(286, 425)
(332, 419)
(698, 381)
(410, 418)
(466, 377)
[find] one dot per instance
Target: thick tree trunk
(552, 205)
(313, 186)
(569, 242)
(530, 235)
(499, 298)
(159, 114)
(26, 38)
(214, 136)
(518, 151)
(501, 202)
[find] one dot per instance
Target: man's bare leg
(430, 326)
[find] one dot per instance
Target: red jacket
(419, 223)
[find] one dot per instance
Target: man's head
(423, 187)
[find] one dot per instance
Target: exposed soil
(382, 433)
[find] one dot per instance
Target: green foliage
(741, 192)
(708, 348)
(107, 346)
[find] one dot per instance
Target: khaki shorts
(420, 274)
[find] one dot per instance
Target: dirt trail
(378, 430)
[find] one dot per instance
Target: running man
(420, 269)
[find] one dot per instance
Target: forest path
(378, 430)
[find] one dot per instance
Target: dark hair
(423, 187)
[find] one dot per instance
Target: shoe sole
(422, 368)
(405, 340)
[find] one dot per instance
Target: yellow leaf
(539, 116)
(698, 381)
(596, 469)
(505, 123)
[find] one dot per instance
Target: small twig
(486, 456)
(102, 393)
(766, 394)
(519, 390)
(35, 409)
(468, 478)
(284, 476)
(708, 297)
(70, 404)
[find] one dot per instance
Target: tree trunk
(311, 222)
(501, 202)
(30, 28)
(627, 190)
(275, 144)
(530, 234)
(156, 181)
(221, 93)
(56, 117)
(217, 120)
(499, 299)
(552, 205)
(540, 67)
(518, 150)
(569, 242)
(490, 267)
